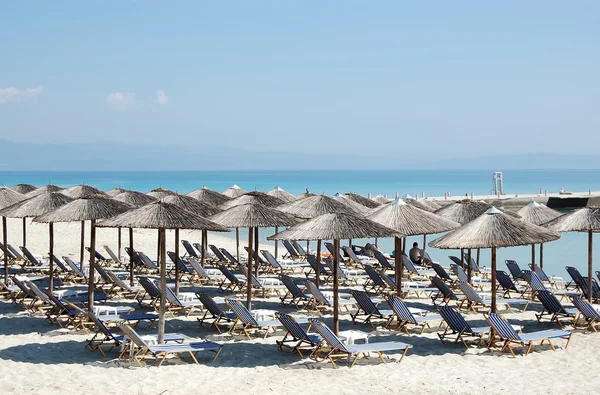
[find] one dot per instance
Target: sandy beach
(38, 357)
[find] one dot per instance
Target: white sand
(36, 357)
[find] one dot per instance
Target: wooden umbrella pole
(307, 246)
(163, 286)
(158, 245)
(237, 243)
(404, 241)
(590, 279)
(24, 232)
(249, 279)
(336, 307)
(469, 272)
(51, 253)
(131, 278)
(5, 250)
(276, 243)
(424, 242)
(462, 257)
(119, 244)
(533, 257)
(202, 254)
(478, 254)
(493, 279)
(92, 264)
(397, 263)
(255, 254)
(82, 248)
(176, 261)
(317, 276)
(542, 255)
(401, 262)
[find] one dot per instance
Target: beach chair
(507, 284)
(126, 290)
(266, 285)
(151, 291)
(296, 335)
(291, 251)
(148, 264)
(25, 295)
(511, 337)
(247, 322)
(553, 308)
(475, 301)
(319, 302)
(587, 314)
(323, 271)
(575, 277)
(175, 304)
(214, 315)
(66, 314)
(543, 276)
(282, 267)
(135, 258)
(18, 256)
(458, 261)
(367, 309)
(585, 286)
(442, 273)
(357, 260)
(345, 276)
(444, 292)
(456, 325)
(143, 349)
(63, 271)
(230, 258)
(189, 249)
(330, 249)
(99, 257)
(406, 318)
(336, 349)
(296, 296)
(204, 275)
(113, 257)
(383, 261)
(413, 271)
(375, 283)
(181, 266)
(11, 257)
(40, 302)
(32, 260)
(390, 283)
(262, 263)
(301, 251)
(218, 254)
(462, 276)
(514, 269)
(207, 254)
(230, 281)
(534, 284)
(78, 276)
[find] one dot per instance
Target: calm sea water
(571, 249)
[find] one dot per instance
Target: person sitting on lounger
(415, 254)
(367, 250)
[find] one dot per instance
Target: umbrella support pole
(82, 248)
(24, 232)
(590, 278)
(249, 279)
(542, 255)
(158, 246)
(336, 308)
(318, 271)
(5, 252)
(92, 266)
(462, 258)
(493, 280)
(177, 261)
(202, 254)
(397, 263)
(119, 243)
(469, 273)
(51, 253)
(237, 244)
(131, 278)
(163, 286)
(276, 243)
(255, 255)
(533, 257)
(478, 254)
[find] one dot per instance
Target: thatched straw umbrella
(88, 208)
(305, 195)
(334, 227)
(380, 199)
(586, 219)
(253, 216)
(8, 197)
(312, 206)
(115, 191)
(418, 203)
(192, 205)
(234, 191)
(370, 203)
(44, 189)
(409, 220)
(537, 214)
(23, 188)
(281, 194)
(36, 206)
(207, 195)
(160, 215)
(358, 208)
(431, 204)
(494, 229)
(134, 199)
(159, 193)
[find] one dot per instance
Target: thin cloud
(161, 98)
(12, 94)
(122, 101)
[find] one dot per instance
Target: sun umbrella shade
(381, 200)
(115, 191)
(582, 220)
(362, 200)
(234, 191)
(253, 215)
(409, 220)
(191, 204)
(465, 211)
(334, 227)
(418, 203)
(281, 194)
(23, 188)
(82, 190)
(86, 208)
(315, 205)
(252, 197)
(44, 189)
(494, 229)
(134, 198)
(354, 206)
(8, 197)
(208, 196)
(537, 214)
(36, 206)
(159, 193)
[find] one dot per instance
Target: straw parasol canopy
(281, 194)
(418, 203)
(134, 198)
(253, 215)
(431, 204)
(494, 229)
(380, 199)
(354, 206)
(587, 220)
(44, 189)
(252, 197)
(537, 214)
(160, 215)
(305, 195)
(466, 210)
(234, 191)
(159, 193)
(315, 205)
(82, 190)
(115, 191)
(23, 188)
(207, 195)
(370, 203)
(8, 197)
(87, 208)
(191, 204)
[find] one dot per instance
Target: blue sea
(571, 249)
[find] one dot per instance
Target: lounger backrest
(188, 247)
(459, 272)
(171, 297)
(111, 254)
(505, 281)
(97, 254)
(132, 334)
(149, 287)
(443, 288)
(330, 248)
(271, 259)
(351, 254)
(410, 266)
(21, 286)
(574, 273)
(292, 326)
(103, 273)
(65, 307)
(400, 309)
(330, 266)
(385, 264)
(199, 247)
(291, 286)
(210, 304)
(178, 261)
(101, 326)
(440, 271)
(312, 261)
(540, 272)
(255, 256)
(456, 260)
(365, 302)
(550, 302)
(514, 269)
(585, 286)
(388, 280)
(230, 257)
(217, 253)
(73, 266)
(299, 248)
(9, 254)
(15, 252)
(426, 256)
(290, 248)
(470, 292)
(327, 334)
(474, 266)
(244, 271)
(60, 264)
(241, 312)
(197, 267)
(502, 326)
(29, 256)
(374, 276)
(37, 292)
(533, 280)
(598, 275)
(454, 319)
(134, 256)
(586, 308)
(146, 261)
(117, 280)
(229, 275)
(316, 292)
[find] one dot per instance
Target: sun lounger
(296, 296)
(299, 248)
(383, 261)
(543, 276)
(230, 281)
(514, 269)
(368, 310)
(217, 317)
(507, 284)
(265, 286)
(18, 256)
(181, 266)
(230, 258)
(97, 255)
(457, 325)
(291, 251)
(441, 273)
(40, 302)
(134, 256)
(189, 249)
(553, 308)
(151, 291)
(218, 254)
(113, 257)
(445, 292)
(204, 275)
(296, 335)
(126, 290)
(248, 323)
(320, 301)
(78, 275)
(312, 261)
(375, 282)
(462, 276)
(184, 306)
(147, 263)
(32, 260)
(207, 254)
(474, 300)
(405, 317)
(414, 271)
(587, 314)
(282, 267)
(457, 261)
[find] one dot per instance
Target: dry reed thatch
(23, 188)
(494, 229)
(115, 191)
(537, 214)
(281, 194)
(409, 220)
(44, 189)
(466, 210)
(134, 198)
(8, 197)
(380, 199)
(334, 227)
(583, 220)
(252, 197)
(305, 195)
(191, 204)
(161, 215)
(356, 207)
(84, 209)
(234, 191)
(208, 196)
(313, 206)
(253, 215)
(418, 204)
(159, 193)
(431, 204)
(355, 197)
(82, 190)
(36, 205)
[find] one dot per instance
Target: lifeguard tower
(498, 188)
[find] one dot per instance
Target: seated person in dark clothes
(415, 254)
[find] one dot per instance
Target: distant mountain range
(18, 156)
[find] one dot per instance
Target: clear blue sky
(445, 77)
